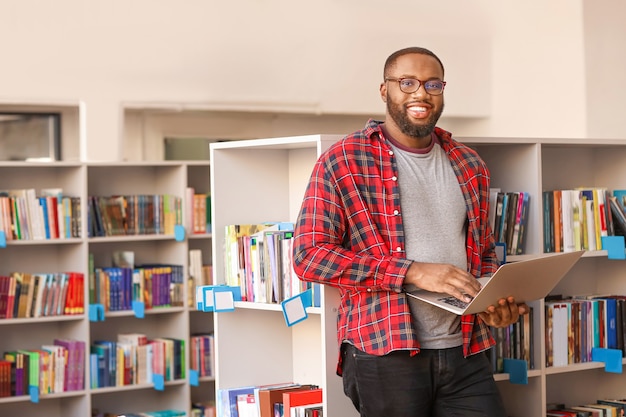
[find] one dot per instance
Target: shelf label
(33, 390)
(159, 382)
(179, 232)
(194, 378)
(96, 312)
(612, 359)
(217, 298)
(224, 299)
(3, 239)
(294, 308)
(517, 370)
(204, 298)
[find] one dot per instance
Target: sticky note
(612, 359)
(159, 382)
(96, 312)
(139, 308)
(33, 390)
(194, 378)
(179, 233)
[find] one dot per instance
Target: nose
(420, 92)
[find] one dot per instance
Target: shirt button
(369, 290)
(399, 249)
(396, 212)
(394, 178)
(390, 152)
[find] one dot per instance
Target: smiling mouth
(418, 112)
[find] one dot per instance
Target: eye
(408, 83)
(433, 85)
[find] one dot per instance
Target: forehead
(417, 65)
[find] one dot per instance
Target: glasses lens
(409, 85)
(434, 87)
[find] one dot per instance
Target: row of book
(133, 214)
(26, 214)
(575, 325)
(203, 409)
(601, 408)
(279, 400)
(197, 211)
(577, 219)
(116, 288)
(54, 368)
(202, 354)
(508, 218)
(200, 274)
(158, 413)
(135, 359)
(513, 342)
(259, 261)
(24, 295)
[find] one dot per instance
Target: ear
(383, 92)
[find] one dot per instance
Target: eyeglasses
(411, 85)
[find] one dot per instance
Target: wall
(606, 76)
(515, 69)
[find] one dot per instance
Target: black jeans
(433, 383)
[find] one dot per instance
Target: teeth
(417, 108)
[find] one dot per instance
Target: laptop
(526, 280)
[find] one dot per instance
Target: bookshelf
(255, 181)
(73, 254)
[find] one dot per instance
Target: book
(226, 401)
(272, 395)
(299, 398)
(246, 405)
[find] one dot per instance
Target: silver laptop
(526, 280)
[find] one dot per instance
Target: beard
(399, 115)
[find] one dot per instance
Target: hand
(505, 313)
(443, 278)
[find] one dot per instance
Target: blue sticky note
(612, 359)
(614, 246)
(33, 390)
(96, 312)
(194, 378)
(159, 382)
(139, 308)
(294, 308)
(517, 370)
(179, 233)
(3, 239)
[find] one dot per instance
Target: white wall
(515, 68)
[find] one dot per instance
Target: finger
(504, 310)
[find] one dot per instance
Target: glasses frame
(420, 83)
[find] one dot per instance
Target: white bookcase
(59, 255)
(263, 180)
(258, 181)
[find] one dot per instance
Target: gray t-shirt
(434, 217)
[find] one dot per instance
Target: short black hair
(391, 60)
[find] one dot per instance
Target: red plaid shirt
(349, 235)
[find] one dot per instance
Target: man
(397, 205)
